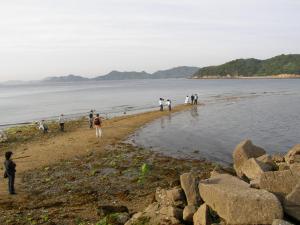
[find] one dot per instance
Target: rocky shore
(262, 189)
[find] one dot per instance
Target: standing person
(196, 99)
(192, 99)
(169, 104)
(10, 171)
(61, 121)
(160, 102)
(91, 118)
(97, 123)
(186, 101)
(43, 126)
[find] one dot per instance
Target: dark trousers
(11, 183)
(196, 101)
(170, 108)
(91, 123)
(62, 126)
(161, 108)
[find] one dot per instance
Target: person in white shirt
(169, 104)
(43, 126)
(160, 102)
(186, 99)
(61, 121)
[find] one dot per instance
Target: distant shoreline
(280, 76)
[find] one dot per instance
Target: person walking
(196, 99)
(61, 121)
(192, 99)
(161, 106)
(186, 101)
(10, 171)
(169, 104)
(97, 123)
(91, 118)
(43, 126)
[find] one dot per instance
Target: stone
(244, 151)
(253, 168)
(279, 183)
(156, 213)
(293, 155)
(267, 159)
(202, 217)
(188, 213)
(170, 211)
(189, 183)
(291, 203)
(234, 201)
(277, 158)
(283, 166)
(295, 168)
(281, 222)
(254, 183)
(104, 210)
(175, 194)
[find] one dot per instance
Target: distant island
(177, 72)
(282, 66)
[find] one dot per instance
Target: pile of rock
(264, 189)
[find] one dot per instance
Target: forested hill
(282, 64)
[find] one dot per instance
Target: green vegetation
(282, 64)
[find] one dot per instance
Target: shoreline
(217, 77)
(56, 166)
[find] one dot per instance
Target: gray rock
(188, 213)
(189, 183)
(237, 203)
(291, 203)
(202, 217)
(244, 151)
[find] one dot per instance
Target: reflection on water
(212, 131)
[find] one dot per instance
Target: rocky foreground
(262, 189)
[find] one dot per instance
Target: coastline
(229, 77)
(59, 171)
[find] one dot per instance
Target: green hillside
(282, 64)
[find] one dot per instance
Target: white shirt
(186, 99)
(168, 103)
(61, 119)
(160, 102)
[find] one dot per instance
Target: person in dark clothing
(192, 99)
(10, 171)
(91, 118)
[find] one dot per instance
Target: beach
(63, 177)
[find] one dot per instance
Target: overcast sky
(40, 38)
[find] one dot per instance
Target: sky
(92, 37)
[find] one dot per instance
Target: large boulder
(244, 151)
(292, 203)
(202, 217)
(237, 203)
(280, 183)
(189, 183)
(188, 213)
(293, 155)
(253, 168)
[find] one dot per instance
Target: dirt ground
(63, 178)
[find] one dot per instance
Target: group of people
(162, 102)
(194, 99)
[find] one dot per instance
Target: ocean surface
(265, 111)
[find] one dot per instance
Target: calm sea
(266, 111)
